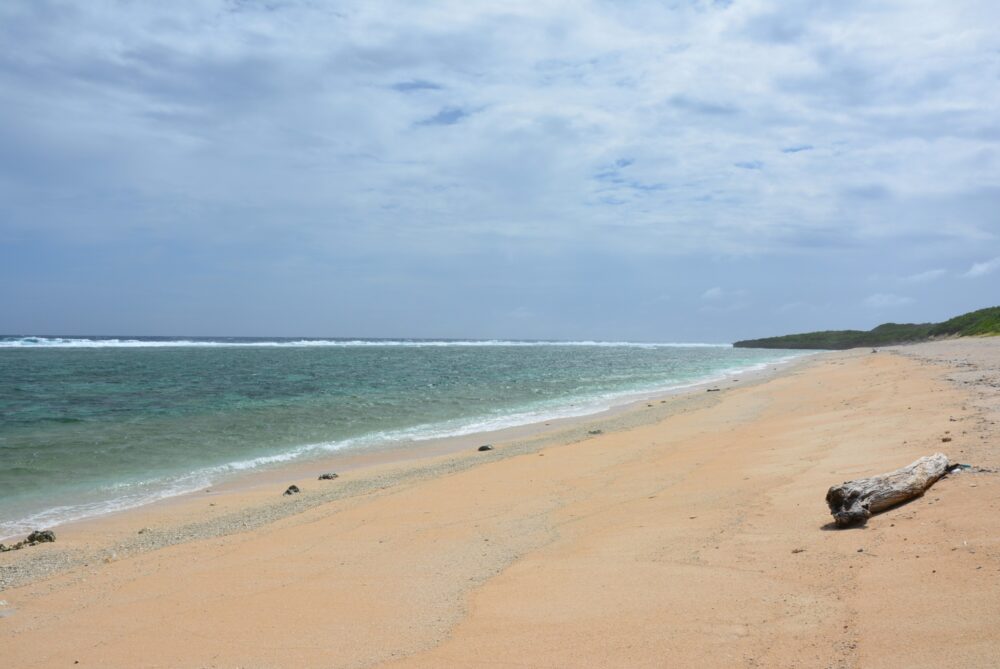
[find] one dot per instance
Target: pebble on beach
(485, 447)
(329, 476)
(292, 489)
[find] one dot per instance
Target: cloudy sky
(672, 171)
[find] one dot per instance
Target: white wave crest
(111, 342)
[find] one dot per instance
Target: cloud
(924, 277)
(171, 104)
(415, 85)
(703, 107)
(717, 293)
(983, 268)
(886, 300)
(370, 137)
(445, 116)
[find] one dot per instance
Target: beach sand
(691, 533)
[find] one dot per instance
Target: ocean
(91, 425)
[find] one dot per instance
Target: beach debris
(485, 447)
(712, 390)
(329, 476)
(959, 467)
(292, 489)
(945, 439)
(41, 537)
(798, 550)
(595, 431)
(36, 537)
(853, 502)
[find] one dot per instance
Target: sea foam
(115, 342)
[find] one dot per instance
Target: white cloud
(924, 277)
(886, 300)
(393, 117)
(450, 144)
(718, 293)
(983, 268)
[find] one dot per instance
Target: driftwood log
(855, 501)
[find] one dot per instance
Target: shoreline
(395, 452)
(693, 529)
(254, 499)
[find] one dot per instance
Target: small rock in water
(485, 447)
(292, 489)
(329, 476)
(41, 536)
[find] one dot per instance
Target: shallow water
(92, 425)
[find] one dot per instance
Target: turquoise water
(93, 425)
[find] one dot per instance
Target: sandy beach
(690, 531)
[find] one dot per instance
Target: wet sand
(689, 533)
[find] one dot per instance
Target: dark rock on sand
(329, 476)
(485, 447)
(41, 536)
(36, 537)
(292, 489)
(595, 431)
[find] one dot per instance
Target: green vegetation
(981, 322)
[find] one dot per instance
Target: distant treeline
(981, 322)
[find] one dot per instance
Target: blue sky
(686, 170)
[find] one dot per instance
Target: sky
(680, 170)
